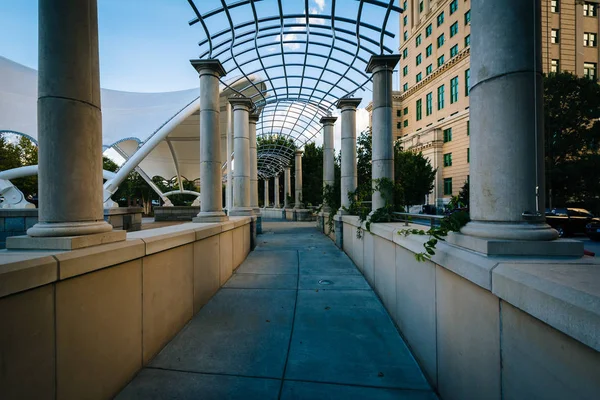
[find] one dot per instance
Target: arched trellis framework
(308, 53)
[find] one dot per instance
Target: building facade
(431, 112)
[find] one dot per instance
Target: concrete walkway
(274, 332)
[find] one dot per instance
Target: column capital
(348, 102)
(328, 120)
(387, 62)
(241, 103)
(210, 64)
(298, 152)
(254, 118)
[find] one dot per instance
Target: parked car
(572, 221)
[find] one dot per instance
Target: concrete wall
(15, 222)
(175, 213)
(484, 328)
(81, 324)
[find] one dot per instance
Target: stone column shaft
(241, 151)
(328, 154)
(349, 167)
(266, 193)
(228, 158)
(69, 121)
(382, 68)
(211, 204)
(298, 179)
(276, 192)
(253, 164)
(287, 183)
(507, 144)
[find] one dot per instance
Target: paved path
(274, 332)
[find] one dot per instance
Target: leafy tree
(414, 177)
(364, 154)
(572, 138)
(109, 165)
(312, 175)
(22, 153)
(463, 195)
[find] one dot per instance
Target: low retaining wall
(15, 222)
(484, 327)
(289, 214)
(81, 324)
(175, 213)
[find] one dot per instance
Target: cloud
(320, 4)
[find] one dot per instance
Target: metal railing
(420, 219)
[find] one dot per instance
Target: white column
(266, 193)
(253, 165)
(349, 167)
(276, 192)
(69, 121)
(241, 151)
(328, 123)
(287, 183)
(211, 204)
(298, 179)
(507, 143)
(229, 150)
(382, 68)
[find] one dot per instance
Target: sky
(145, 45)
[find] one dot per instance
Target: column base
(210, 216)
(64, 243)
(506, 247)
(64, 229)
(524, 231)
(241, 212)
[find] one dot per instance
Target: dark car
(573, 221)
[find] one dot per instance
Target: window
(419, 111)
(440, 19)
(419, 59)
(405, 53)
(448, 160)
(421, 7)
(440, 41)
(448, 186)
(468, 155)
(453, 6)
(440, 97)
(405, 36)
(590, 39)
(589, 9)
(428, 31)
(398, 113)
(468, 128)
(447, 135)
(418, 40)
(467, 40)
(440, 61)
(405, 87)
(453, 29)
(405, 20)
(454, 90)
(405, 110)
(554, 66)
(428, 69)
(429, 104)
(404, 5)
(428, 50)
(405, 70)
(554, 6)
(467, 17)
(419, 77)
(589, 70)
(453, 50)
(399, 125)
(467, 81)
(554, 36)
(405, 123)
